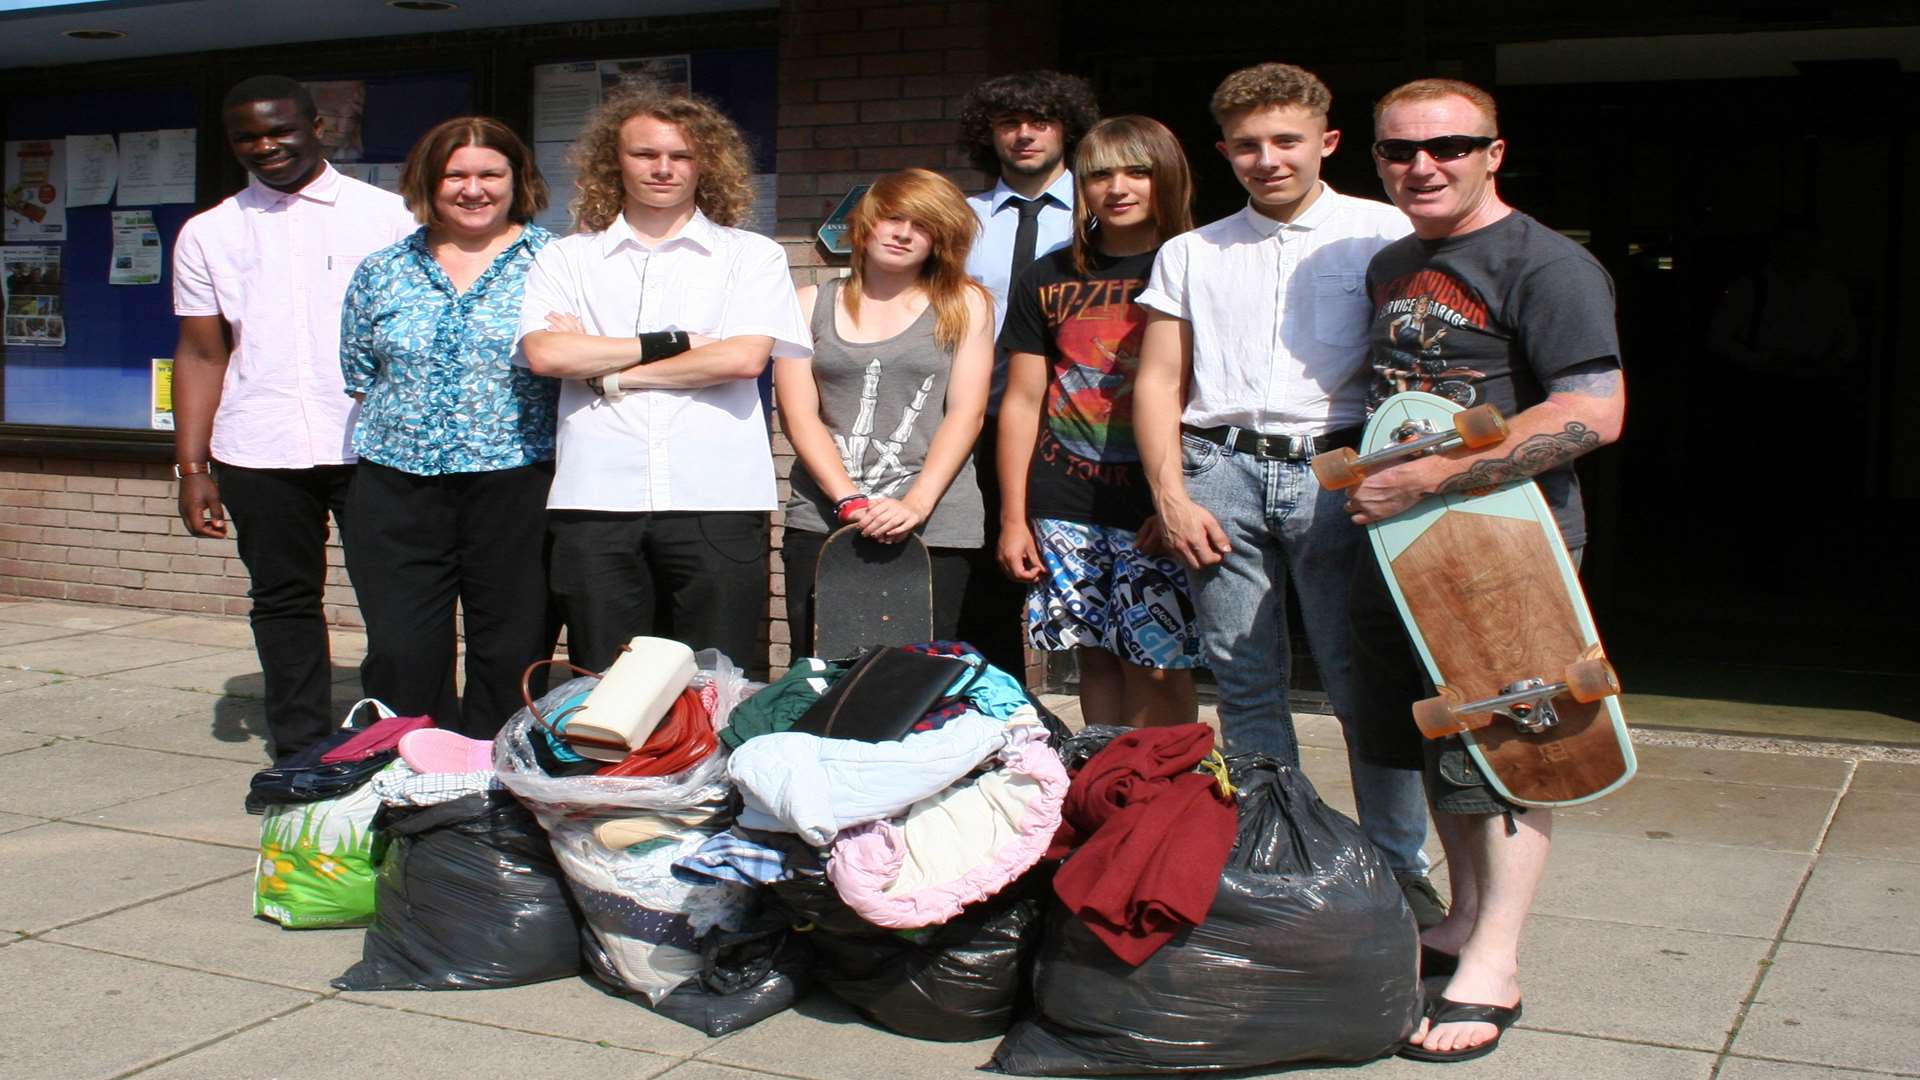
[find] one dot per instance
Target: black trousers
(698, 576)
(990, 616)
(800, 556)
(419, 544)
(280, 524)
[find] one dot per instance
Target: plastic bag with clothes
(746, 976)
(648, 924)
(318, 861)
(469, 897)
(1308, 954)
(953, 983)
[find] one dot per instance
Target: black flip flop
(1447, 1011)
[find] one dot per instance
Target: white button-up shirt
(1279, 313)
(704, 449)
(991, 259)
(276, 267)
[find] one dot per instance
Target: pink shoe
(432, 750)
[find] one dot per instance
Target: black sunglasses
(1439, 148)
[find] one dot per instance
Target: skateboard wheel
(1335, 469)
(1436, 718)
(1591, 680)
(1480, 426)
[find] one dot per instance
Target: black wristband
(660, 344)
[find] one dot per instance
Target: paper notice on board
(162, 395)
(34, 190)
(136, 249)
(93, 165)
(156, 167)
(35, 315)
(563, 95)
(673, 72)
(765, 214)
(386, 177)
(561, 178)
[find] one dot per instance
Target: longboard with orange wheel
(1490, 597)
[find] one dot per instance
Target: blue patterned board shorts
(1101, 591)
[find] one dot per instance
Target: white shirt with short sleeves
(1279, 314)
(701, 449)
(275, 266)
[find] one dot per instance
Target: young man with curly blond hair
(1255, 360)
(660, 315)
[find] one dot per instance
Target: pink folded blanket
(955, 848)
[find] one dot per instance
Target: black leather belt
(1276, 447)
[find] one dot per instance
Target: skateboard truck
(1528, 703)
(1473, 428)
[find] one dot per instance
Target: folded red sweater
(1149, 838)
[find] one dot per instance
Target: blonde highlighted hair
(724, 192)
(1124, 142)
(932, 202)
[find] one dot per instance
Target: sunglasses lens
(1448, 147)
(1396, 150)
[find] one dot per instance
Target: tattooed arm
(1583, 411)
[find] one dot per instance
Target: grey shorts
(1455, 784)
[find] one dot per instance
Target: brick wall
(108, 532)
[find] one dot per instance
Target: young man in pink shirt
(262, 418)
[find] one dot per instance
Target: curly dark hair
(1068, 100)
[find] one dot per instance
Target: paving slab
(230, 728)
(564, 1008)
(13, 679)
(72, 776)
(1889, 776)
(15, 822)
(60, 873)
(335, 1039)
(1844, 1007)
(1677, 988)
(1741, 767)
(203, 630)
(701, 1070)
(823, 1039)
(76, 616)
(98, 1016)
(1735, 1068)
(14, 741)
(1531, 1055)
(212, 929)
(80, 708)
(1723, 890)
(84, 654)
(15, 633)
(1875, 824)
(1862, 903)
(210, 813)
(234, 672)
(1739, 815)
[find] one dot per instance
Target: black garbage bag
(954, 982)
(468, 898)
(746, 976)
(1309, 954)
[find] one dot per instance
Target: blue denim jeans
(1284, 529)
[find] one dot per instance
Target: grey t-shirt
(1492, 316)
(882, 400)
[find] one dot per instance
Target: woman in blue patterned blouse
(455, 440)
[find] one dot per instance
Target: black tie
(1025, 239)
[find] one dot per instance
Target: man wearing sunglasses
(1481, 304)
(1255, 359)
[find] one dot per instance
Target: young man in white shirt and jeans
(661, 316)
(263, 427)
(1258, 322)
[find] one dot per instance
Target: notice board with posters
(84, 355)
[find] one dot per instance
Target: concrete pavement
(1744, 910)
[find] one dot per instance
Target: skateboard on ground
(1496, 612)
(866, 593)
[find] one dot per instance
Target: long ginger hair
(932, 202)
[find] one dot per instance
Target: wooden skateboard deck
(1490, 597)
(866, 593)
